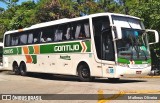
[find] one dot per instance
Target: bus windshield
(133, 45)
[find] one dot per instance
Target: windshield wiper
(137, 52)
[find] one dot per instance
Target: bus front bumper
(132, 72)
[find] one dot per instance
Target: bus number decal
(8, 51)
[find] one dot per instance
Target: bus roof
(65, 20)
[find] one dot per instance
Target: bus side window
(43, 37)
(47, 34)
(86, 29)
(73, 29)
(82, 34)
(58, 35)
(14, 40)
(7, 40)
(68, 33)
(50, 34)
(36, 37)
(77, 33)
(23, 39)
(35, 40)
(48, 39)
(81, 29)
(30, 38)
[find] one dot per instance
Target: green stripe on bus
(34, 59)
(46, 49)
(88, 44)
(122, 60)
(126, 61)
(10, 51)
(71, 47)
(31, 49)
(19, 50)
(64, 47)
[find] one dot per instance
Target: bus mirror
(117, 32)
(152, 36)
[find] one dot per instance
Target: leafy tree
(1, 10)
(24, 16)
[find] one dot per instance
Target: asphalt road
(35, 86)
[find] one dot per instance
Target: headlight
(149, 64)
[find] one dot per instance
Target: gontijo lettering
(67, 48)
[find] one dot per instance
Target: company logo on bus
(67, 48)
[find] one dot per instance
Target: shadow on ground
(47, 76)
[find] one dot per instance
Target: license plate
(138, 72)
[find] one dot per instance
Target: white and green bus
(105, 45)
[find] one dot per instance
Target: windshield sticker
(110, 70)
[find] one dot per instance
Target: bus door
(107, 53)
(104, 43)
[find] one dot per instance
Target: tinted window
(103, 38)
(61, 32)
(23, 39)
(14, 40)
(80, 29)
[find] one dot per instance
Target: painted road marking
(146, 77)
(102, 99)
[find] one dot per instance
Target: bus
(107, 45)
(1, 55)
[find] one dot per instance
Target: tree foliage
(29, 13)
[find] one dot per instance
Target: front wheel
(84, 73)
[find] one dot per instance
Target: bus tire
(84, 73)
(16, 70)
(113, 79)
(23, 69)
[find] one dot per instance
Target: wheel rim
(22, 68)
(15, 69)
(85, 73)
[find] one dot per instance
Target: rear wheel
(23, 69)
(16, 70)
(84, 73)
